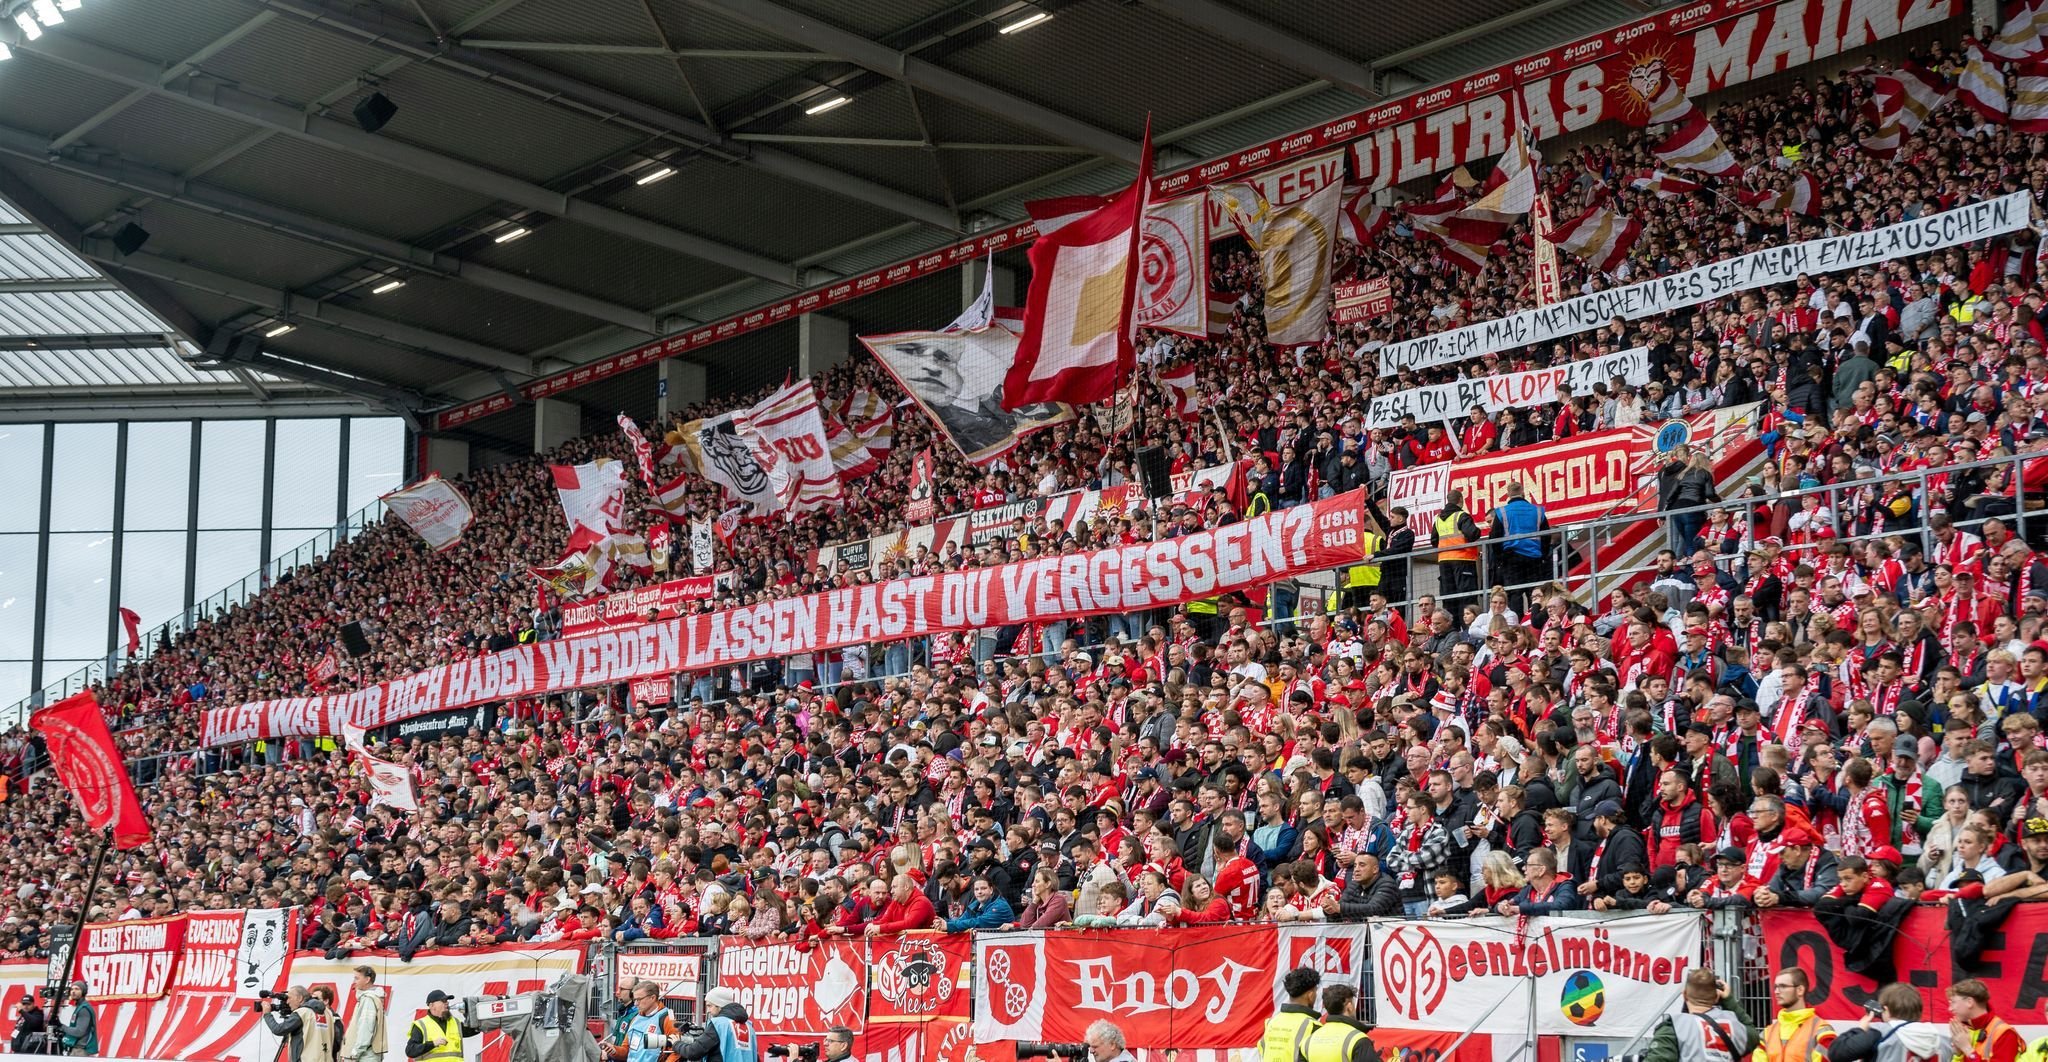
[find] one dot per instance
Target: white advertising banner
(1775, 265)
(1512, 390)
(1604, 977)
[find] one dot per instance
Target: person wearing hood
(724, 1036)
(1894, 1033)
(1798, 1034)
(306, 1027)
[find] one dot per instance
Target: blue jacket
(1564, 896)
(979, 915)
(1520, 517)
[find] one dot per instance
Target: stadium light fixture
(29, 27)
(278, 331)
(6, 53)
(660, 174)
(834, 102)
(1026, 22)
(47, 13)
(390, 285)
(512, 233)
(70, 5)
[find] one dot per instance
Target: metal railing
(218, 604)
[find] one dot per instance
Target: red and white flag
(1364, 220)
(1662, 184)
(727, 526)
(1801, 195)
(1510, 191)
(660, 541)
(791, 422)
(1222, 312)
(2030, 97)
(1901, 101)
(131, 623)
(1548, 280)
(593, 503)
(1600, 236)
(1466, 241)
(1693, 144)
(1079, 315)
(86, 760)
(727, 451)
(1179, 383)
(643, 451)
(1296, 244)
(851, 457)
(434, 508)
(2024, 34)
(1982, 84)
(323, 671)
(873, 419)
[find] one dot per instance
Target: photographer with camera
(305, 1025)
(838, 1044)
(31, 1027)
(1106, 1043)
(79, 1033)
(724, 1036)
(436, 1035)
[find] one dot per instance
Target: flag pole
(55, 990)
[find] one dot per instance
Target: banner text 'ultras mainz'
(1237, 556)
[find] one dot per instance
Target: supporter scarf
(1916, 660)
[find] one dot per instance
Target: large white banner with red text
(1239, 556)
(1192, 987)
(1595, 977)
(629, 608)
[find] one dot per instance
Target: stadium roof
(562, 179)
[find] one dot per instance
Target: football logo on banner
(1412, 963)
(914, 976)
(1173, 287)
(1013, 979)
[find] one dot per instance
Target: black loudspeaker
(1152, 474)
(352, 639)
(130, 238)
(374, 110)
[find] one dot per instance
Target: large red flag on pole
(1076, 345)
(90, 766)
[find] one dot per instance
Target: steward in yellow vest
(1342, 1037)
(436, 1036)
(1287, 1031)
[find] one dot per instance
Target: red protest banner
(630, 607)
(2013, 964)
(1361, 301)
(133, 959)
(213, 941)
(796, 990)
(1239, 556)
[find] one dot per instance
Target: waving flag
(1901, 101)
(727, 451)
(1800, 196)
(1179, 383)
(434, 508)
(2030, 97)
(593, 500)
(790, 422)
(1663, 185)
(1510, 191)
(1364, 220)
(1296, 244)
(1693, 144)
(131, 624)
(1466, 240)
(1600, 236)
(1982, 84)
(86, 760)
(2022, 36)
(1078, 316)
(851, 456)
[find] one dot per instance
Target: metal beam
(169, 187)
(923, 74)
(96, 405)
(100, 341)
(1229, 24)
(886, 142)
(172, 72)
(60, 227)
(1471, 33)
(573, 48)
(72, 50)
(302, 310)
(20, 230)
(55, 285)
(382, 30)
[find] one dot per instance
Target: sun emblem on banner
(1648, 93)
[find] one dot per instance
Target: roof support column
(555, 421)
(821, 342)
(678, 385)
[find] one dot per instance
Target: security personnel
(1457, 559)
(1978, 1034)
(1364, 577)
(1522, 559)
(1288, 1030)
(1798, 1035)
(437, 1034)
(724, 1036)
(1342, 1037)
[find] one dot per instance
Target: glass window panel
(75, 611)
(21, 476)
(153, 574)
(226, 558)
(17, 596)
(308, 461)
(13, 686)
(159, 476)
(82, 498)
(376, 459)
(230, 481)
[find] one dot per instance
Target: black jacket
(1621, 848)
(29, 1028)
(1382, 897)
(287, 1024)
(417, 1045)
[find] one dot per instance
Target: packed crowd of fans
(1811, 722)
